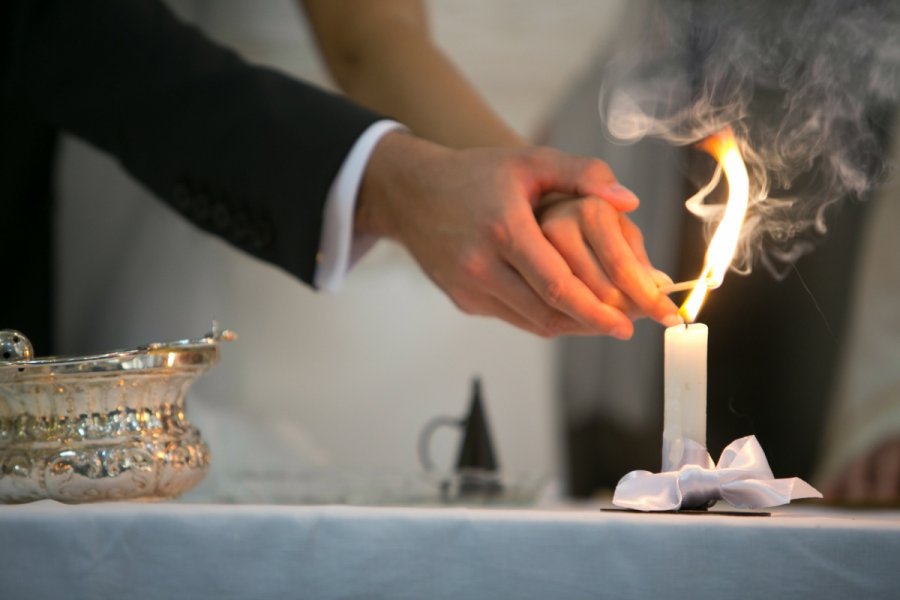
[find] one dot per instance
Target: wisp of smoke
(808, 87)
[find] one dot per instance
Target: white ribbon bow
(742, 478)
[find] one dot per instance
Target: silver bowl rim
(179, 355)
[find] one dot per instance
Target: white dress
(865, 410)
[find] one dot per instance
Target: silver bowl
(104, 427)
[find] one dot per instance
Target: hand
(467, 217)
(605, 250)
(873, 477)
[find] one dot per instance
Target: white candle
(685, 392)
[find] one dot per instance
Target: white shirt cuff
(339, 249)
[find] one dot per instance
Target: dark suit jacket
(242, 151)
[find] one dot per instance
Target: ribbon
(742, 478)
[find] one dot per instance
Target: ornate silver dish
(104, 427)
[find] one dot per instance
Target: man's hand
(467, 217)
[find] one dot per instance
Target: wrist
(397, 171)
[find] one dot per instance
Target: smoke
(808, 87)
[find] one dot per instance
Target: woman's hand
(874, 477)
(605, 250)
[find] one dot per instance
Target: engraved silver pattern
(106, 427)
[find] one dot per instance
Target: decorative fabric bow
(742, 478)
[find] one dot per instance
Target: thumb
(555, 171)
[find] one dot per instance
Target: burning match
(681, 286)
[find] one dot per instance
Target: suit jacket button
(261, 236)
(201, 208)
(221, 218)
(181, 197)
(240, 226)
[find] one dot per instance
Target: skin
(874, 477)
(488, 253)
(381, 55)
(605, 250)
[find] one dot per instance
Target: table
(172, 550)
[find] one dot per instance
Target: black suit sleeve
(242, 151)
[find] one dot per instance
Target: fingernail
(622, 332)
(672, 320)
(617, 189)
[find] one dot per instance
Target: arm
(381, 55)
(242, 151)
(249, 154)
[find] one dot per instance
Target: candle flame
(723, 147)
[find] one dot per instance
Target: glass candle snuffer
(102, 427)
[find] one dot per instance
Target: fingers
(856, 481)
(515, 293)
(509, 298)
(873, 477)
(554, 171)
(886, 484)
(660, 278)
(487, 286)
(565, 234)
(635, 239)
(491, 307)
(624, 276)
(629, 270)
(539, 264)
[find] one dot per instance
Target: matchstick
(681, 286)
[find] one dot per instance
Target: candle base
(679, 452)
(742, 478)
(691, 511)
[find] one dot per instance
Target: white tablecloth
(138, 551)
